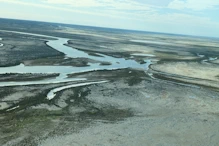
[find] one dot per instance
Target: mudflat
(120, 88)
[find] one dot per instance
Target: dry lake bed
(82, 86)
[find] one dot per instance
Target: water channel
(58, 43)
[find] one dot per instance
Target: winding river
(59, 44)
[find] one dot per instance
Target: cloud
(126, 9)
(75, 3)
(54, 7)
(131, 14)
(177, 4)
(109, 8)
(106, 4)
(196, 5)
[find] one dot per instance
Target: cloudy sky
(194, 17)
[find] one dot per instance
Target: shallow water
(53, 92)
(1, 43)
(141, 54)
(59, 44)
(116, 63)
(212, 58)
(199, 55)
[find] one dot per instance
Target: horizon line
(115, 28)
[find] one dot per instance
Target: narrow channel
(1, 43)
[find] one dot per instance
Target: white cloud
(112, 4)
(177, 4)
(123, 9)
(75, 3)
(110, 8)
(118, 13)
(54, 7)
(193, 4)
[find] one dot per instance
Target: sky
(192, 17)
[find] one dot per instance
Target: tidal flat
(110, 87)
